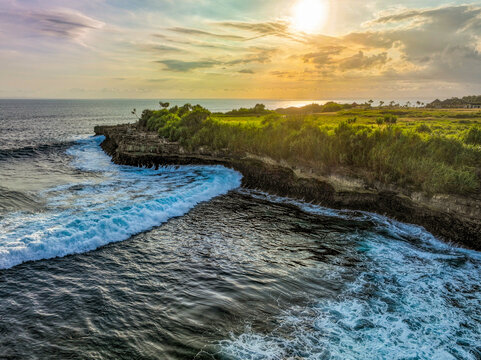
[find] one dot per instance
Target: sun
(310, 16)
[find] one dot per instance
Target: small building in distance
(472, 105)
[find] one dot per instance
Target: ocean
(101, 261)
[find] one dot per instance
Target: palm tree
(134, 112)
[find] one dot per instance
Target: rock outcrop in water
(452, 218)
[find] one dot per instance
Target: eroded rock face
(452, 218)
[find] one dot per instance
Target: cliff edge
(451, 218)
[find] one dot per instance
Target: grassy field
(434, 151)
(423, 121)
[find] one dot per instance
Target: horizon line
(256, 99)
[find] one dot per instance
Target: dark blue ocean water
(100, 261)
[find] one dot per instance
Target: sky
(264, 49)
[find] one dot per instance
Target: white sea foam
(119, 202)
(414, 297)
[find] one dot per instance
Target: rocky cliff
(452, 218)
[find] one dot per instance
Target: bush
(156, 119)
(195, 118)
(146, 115)
(473, 136)
(331, 107)
(423, 128)
(390, 119)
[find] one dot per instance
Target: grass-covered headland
(436, 151)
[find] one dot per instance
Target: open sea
(100, 261)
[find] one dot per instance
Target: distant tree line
(455, 102)
(258, 109)
(317, 108)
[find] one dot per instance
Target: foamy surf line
(123, 201)
(412, 297)
(395, 228)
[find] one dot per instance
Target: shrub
(473, 136)
(195, 118)
(390, 119)
(184, 110)
(423, 128)
(146, 115)
(331, 107)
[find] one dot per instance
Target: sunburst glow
(310, 15)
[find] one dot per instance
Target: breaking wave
(411, 297)
(117, 203)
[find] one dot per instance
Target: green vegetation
(419, 149)
(423, 128)
(259, 109)
(473, 136)
(455, 102)
(316, 108)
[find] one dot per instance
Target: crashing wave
(121, 202)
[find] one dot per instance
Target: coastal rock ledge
(452, 218)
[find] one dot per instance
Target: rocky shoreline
(452, 218)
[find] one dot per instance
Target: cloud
(323, 55)
(189, 31)
(200, 44)
(184, 66)
(164, 48)
(400, 16)
(284, 74)
(370, 39)
(66, 24)
(256, 55)
(271, 28)
(159, 48)
(363, 62)
(448, 15)
(438, 43)
(444, 44)
(246, 71)
(259, 55)
(160, 36)
(161, 80)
